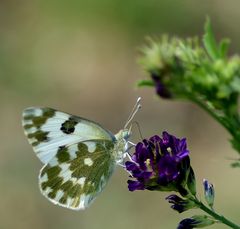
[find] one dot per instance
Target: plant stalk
(216, 216)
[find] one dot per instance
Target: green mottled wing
(77, 173)
(48, 129)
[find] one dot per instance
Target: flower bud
(196, 221)
(208, 192)
(180, 204)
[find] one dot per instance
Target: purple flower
(187, 223)
(160, 163)
(161, 90)
(180, 204)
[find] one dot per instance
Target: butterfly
(79, 155)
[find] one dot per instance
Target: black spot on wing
(68, 126)
(63, 154)
(39, 136)
(37, 121)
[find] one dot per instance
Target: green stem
(216, 216)
(223, 122)
(209, 111)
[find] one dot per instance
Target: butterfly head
(123, 135)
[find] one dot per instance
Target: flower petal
(135, 185)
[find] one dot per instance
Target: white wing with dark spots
(48, 129)
(79, 155)
(75, 175)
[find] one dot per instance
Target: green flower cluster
(183, 69)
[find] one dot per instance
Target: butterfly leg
(128, 149)
(131, 143)
(124, 167)
(129, 156)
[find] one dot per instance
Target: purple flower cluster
(159, 163)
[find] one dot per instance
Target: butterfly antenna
(139, 129)
(135, 109)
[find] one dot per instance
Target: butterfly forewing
(48, 129)
(77, 173)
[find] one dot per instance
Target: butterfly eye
(126, 134)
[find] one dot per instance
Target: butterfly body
(79, 155)
(121, 145)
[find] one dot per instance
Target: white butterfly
(79, 155)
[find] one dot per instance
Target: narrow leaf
(191, 182)
(223, 47)
(143, 83)
(209, 41)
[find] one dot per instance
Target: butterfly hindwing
(77, 173)
(48, 129)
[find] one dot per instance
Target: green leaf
(209, 41)
(223, 47)
(143, 83)
(191, 182)
(214, 50)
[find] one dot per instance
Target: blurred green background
(80, 57)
